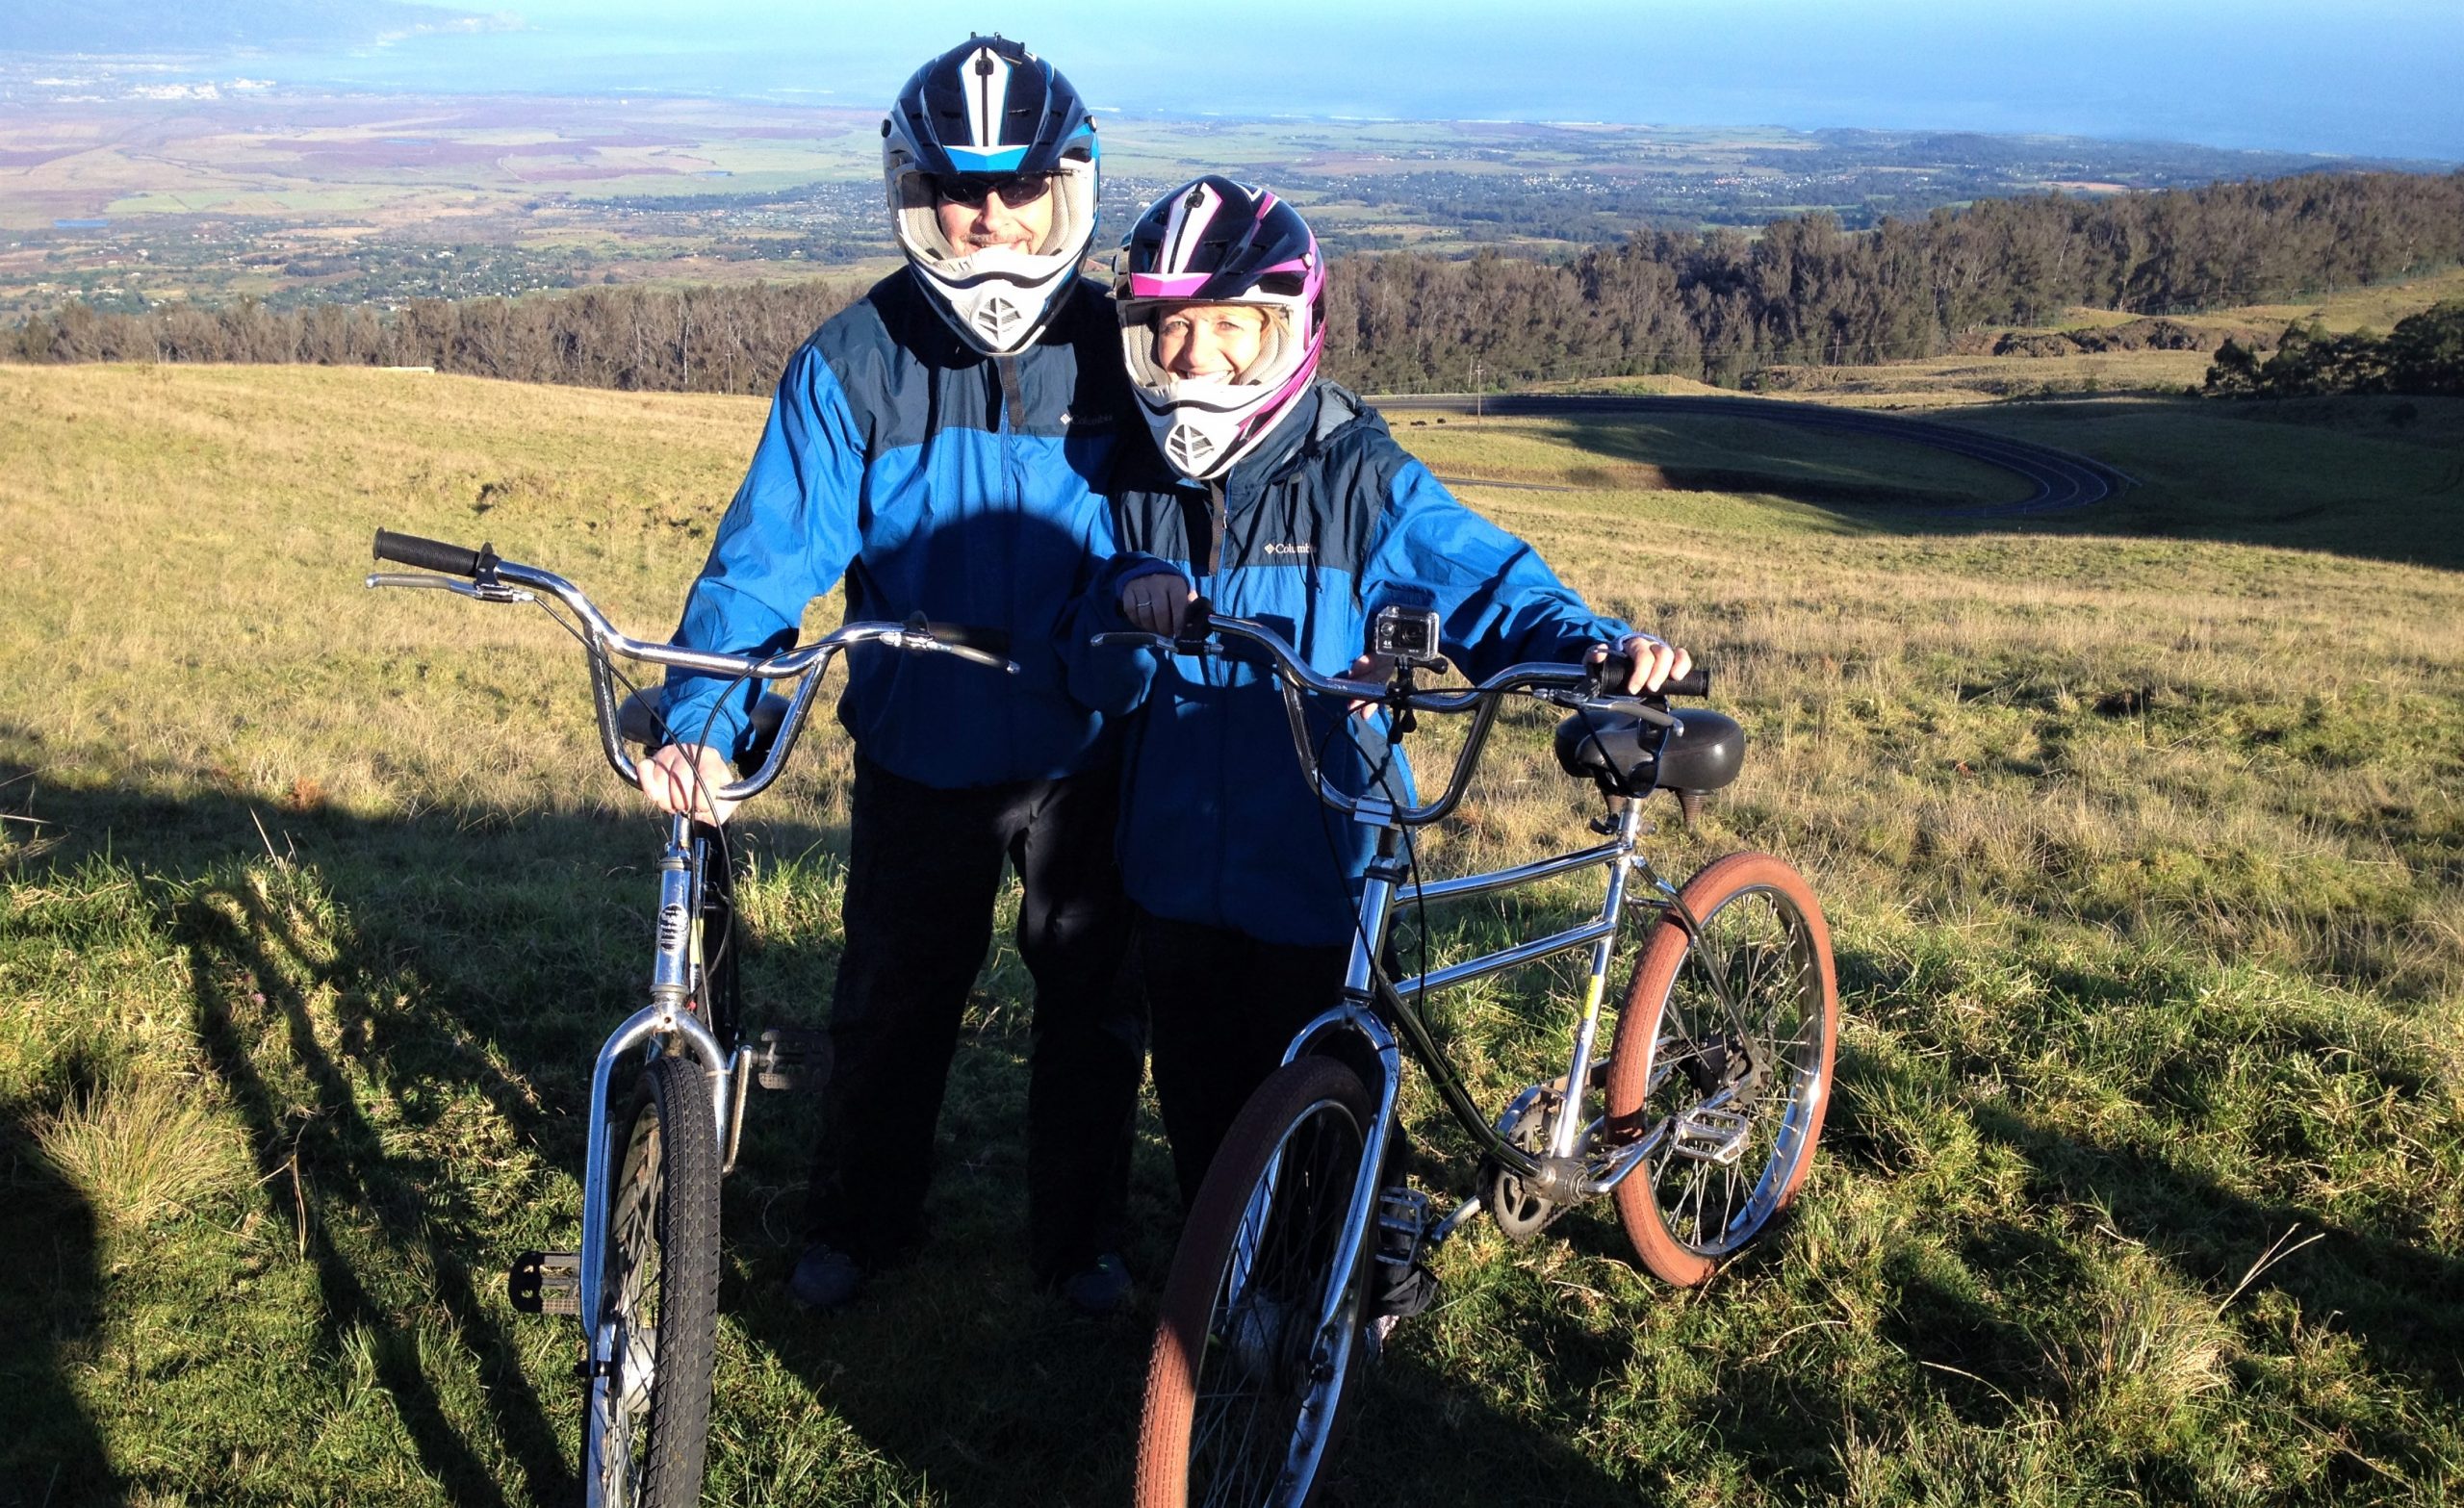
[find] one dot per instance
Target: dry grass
(1947, 381)
(1943, 381)
(2142, 854)
(142, 1150)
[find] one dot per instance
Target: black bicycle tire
(1183, 1329)
(671, 1101)
(1706, 897)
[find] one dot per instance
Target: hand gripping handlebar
(1573, 685)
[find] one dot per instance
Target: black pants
(923, 868)
(1224, 1005)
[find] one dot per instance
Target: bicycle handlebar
(1571, 685)
(492, 579)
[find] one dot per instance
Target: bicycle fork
(665, 1024)
(1331, 1346)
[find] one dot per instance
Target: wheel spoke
(1740, 1014)
(659, 1285)
(1258, 1412)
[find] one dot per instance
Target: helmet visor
(1216, 356)
(919, 197)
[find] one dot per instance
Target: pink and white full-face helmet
(1216, 241)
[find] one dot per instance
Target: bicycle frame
(1383, 1014)
(667, 1023)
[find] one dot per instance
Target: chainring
(1521, 1214)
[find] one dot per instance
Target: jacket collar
(1326, 410)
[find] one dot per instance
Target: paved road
(2063, 479)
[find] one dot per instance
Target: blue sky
(2354, 76)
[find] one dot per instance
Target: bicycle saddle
(1704, 750)
(638, 721)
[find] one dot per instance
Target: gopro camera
(1406, 634)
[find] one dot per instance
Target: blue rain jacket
(1327, 522)
(933, 479)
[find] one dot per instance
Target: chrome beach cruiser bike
(645, 1283)
(1700, 1121)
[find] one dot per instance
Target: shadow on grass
(348, 990)
(411, 962)
(2402, 1301)
(2353, 476)
(51, 1451)
(1993, 1357)
(341, 1176)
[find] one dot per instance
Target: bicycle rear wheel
(1244, 1386)
(1723, 1049)
(648, 1417)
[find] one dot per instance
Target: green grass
(2138, 832)
(2372, 477)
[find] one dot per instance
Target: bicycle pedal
(1403, 1220)
(794, 1057)
(546, 1282)
(1704, 1135)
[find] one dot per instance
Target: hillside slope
(2144, 1178)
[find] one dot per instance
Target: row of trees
(731, 338)
(2424, 353)
(1714, 305)
(1718, 305)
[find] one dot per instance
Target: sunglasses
(1018, 190)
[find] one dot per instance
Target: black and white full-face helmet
(990, 118)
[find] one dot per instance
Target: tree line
(1714, 305)
(1717, 305)
(718, 339)
(2424, 354)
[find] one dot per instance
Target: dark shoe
(1402, 1292)
(825, 1279)
(1098, 1291)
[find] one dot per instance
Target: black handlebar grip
(429, 554)
(1695, 682)
(1198, 623)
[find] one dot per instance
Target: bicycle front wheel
(659, 1288)
(1259, 1330)
(1724, 1053)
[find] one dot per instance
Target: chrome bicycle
(644, 1282)
(1700, 1122)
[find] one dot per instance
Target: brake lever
(1648, 709)
(1140, 639)
(477, 591)
(913, 634)
(977, 657)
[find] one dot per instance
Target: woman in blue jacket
(1280, 497)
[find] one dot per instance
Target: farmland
(111, 193)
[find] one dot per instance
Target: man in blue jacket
(938, 448)
(1280, 497)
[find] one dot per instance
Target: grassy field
(2138, 829)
